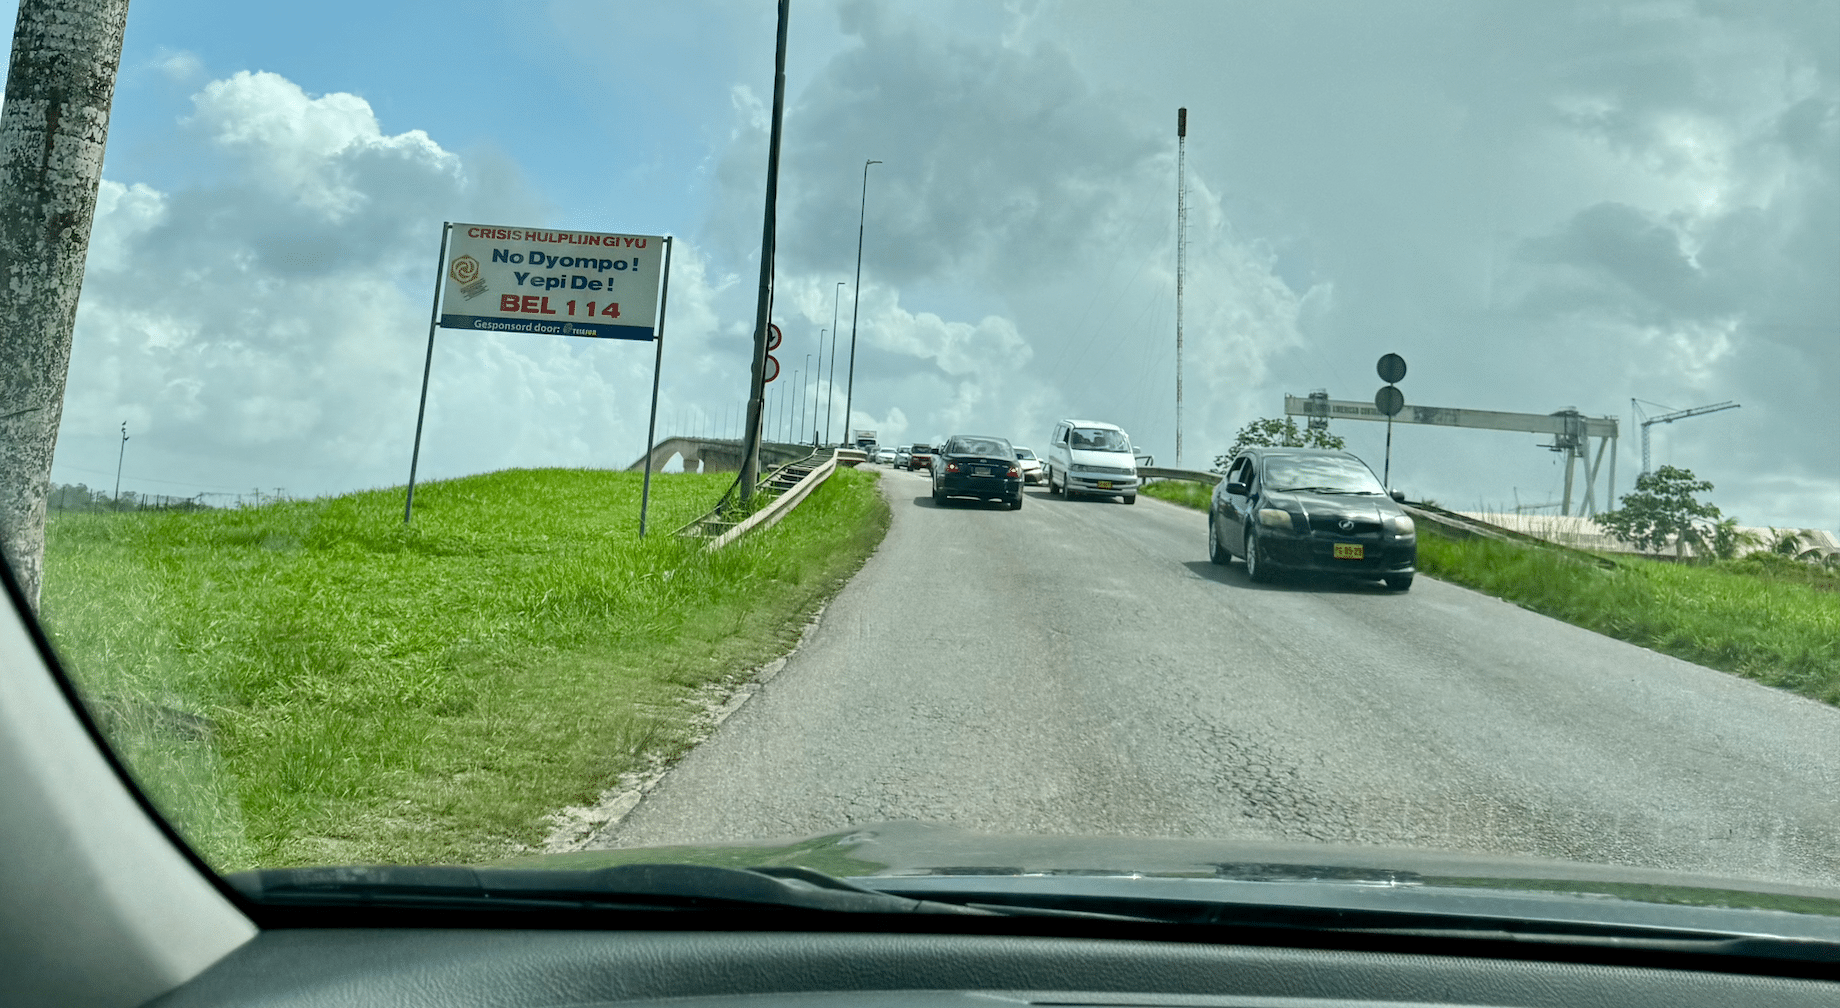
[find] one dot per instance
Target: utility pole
(119, 457)
(1181, 257)
(763, 306)
(862, 215)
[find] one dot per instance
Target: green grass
(1184, 492)
(1776, 630)
(309, 682)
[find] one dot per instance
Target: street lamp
(803, 395)
(829, 403)
(849, 397)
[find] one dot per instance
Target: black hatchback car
(970, 465)
(1309, 509)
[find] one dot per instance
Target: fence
(77, 497)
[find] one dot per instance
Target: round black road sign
(772, 369)
(775, 337)
(1389, 400)
(1392, 367)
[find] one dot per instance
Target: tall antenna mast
(1181, 256)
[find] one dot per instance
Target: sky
(1540, 206)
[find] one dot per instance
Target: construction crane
(1649, 421)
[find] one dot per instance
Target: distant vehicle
(865, 439)
(901, 455)
(885, 456)
(919, 457)
(971, 465)
(1092, 457)
(1032, 471)
(1310, 509)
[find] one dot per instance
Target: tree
(1663, 509)
(1276, 432)
(59, 86)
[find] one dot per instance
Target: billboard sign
(552, 283)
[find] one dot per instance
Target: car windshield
(980, 446)
(566, 547)
(1100, 439)
(1025, 455)
(1320, 473)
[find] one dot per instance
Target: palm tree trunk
(59, 86)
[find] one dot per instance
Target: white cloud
(267, 326)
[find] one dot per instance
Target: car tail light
(1014, 471)
(951, 467)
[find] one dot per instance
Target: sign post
(651, 422)
(1389, 401)
(545, 282)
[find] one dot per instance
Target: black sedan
(1310, 510)
(970, 465)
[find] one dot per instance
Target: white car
(1032, 471)
(1092, 457)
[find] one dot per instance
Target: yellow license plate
(1350, 551)
(1105, 484)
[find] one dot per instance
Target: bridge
(717, 454)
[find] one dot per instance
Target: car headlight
(1274, 518)
(1080, 468)
(1401, 525)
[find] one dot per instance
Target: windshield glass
(1100, 439)
(1025, 454)
(440, 463)
(1322, 473)
(980, 446)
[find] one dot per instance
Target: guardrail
(770, 515)
(1164, 472)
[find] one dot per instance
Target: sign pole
(421, 408)
(651, 424)
(763, 309)
(1387, 479)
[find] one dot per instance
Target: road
(1080, 667)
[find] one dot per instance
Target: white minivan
(1091, 457)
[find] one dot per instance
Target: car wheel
(1256, 567)
(1398, 582)
(1016, 504)
(1130, 498)
(1215, 553)
(939, 496)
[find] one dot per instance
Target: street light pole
(803, 395)
(830, 390)
(836, 293)
(862, 215)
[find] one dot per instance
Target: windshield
(437, 470)
(980, 446)
(1100, 439)
(1024, 454)
(1324, 474)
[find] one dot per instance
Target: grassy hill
(312, 682)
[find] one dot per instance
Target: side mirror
(1237, 488)
(1398, 495)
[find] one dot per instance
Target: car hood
(1115, 460)
(917, 857)
(1317, 505)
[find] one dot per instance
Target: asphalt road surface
(1080, 667)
